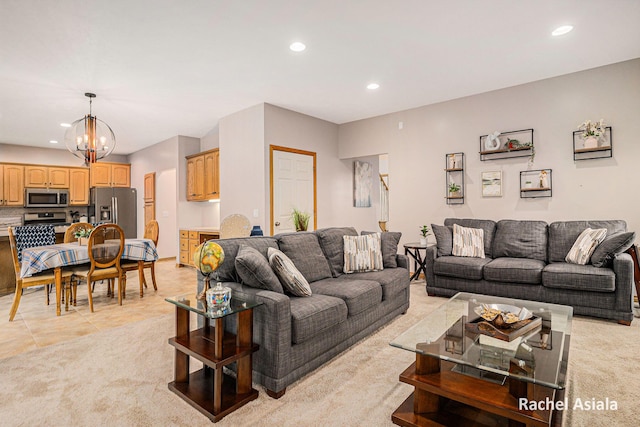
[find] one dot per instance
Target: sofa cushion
(514, 270)
(562, 275)
(585, 244)
(315, 314)
(227, 270)
(392, 280)
(359, 295)
(487, 225)
(563, 234)
(611, 247)
(332, 245)
(468, 242)
(362, 253)
(520, 239)
(305, 252)
(444, 239)
(462, 267)
(292, 280)
(389, 241)
(254, 270)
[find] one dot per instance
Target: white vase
(590, 142)
(423, 241)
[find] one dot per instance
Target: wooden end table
(211, 391)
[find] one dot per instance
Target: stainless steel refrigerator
(116, 205)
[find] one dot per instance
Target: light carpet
(119, 377)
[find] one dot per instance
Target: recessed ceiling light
(65, 125)
(53, 141)
(562, 30)
(373, 86)
(297, 46)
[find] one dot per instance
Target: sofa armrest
(430, 257)
(271, 326)
(402, 260)
(623, 269)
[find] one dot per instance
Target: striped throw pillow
(290, 277)
(584, 245)
(468, 242)
(362, 253)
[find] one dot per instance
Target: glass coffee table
(464, 376)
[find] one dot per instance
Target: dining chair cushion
(97, 273)
(47, 276)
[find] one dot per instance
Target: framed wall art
(492, 184)
(362, 183)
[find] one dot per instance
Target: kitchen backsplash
(10, 212)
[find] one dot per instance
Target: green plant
(300, 219)
(453, 187)
(424, 230)
(82, 232)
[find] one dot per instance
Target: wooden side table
(412, 250)
(209, 390)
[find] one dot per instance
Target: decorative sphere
(208, 257)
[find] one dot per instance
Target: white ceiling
(163, 68)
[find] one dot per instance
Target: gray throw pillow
(444, 239)
(254, 270)
(389, 241)
(612, 246)
(292, 280)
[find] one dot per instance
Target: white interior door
(293, 185)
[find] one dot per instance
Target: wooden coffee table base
(444, 397)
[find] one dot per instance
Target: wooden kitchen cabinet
(78, 186)
(104, 174)
(203, 176)
(38, 176)
(11, 185)
(190, 240)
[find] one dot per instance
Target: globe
(207, 257)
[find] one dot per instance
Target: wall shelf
(454, 173)
(517, 143)
(604, 150)
(536, 183)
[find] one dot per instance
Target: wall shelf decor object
(535, 183)
(507, 145)
(492, 184)
(603, 150)
(454, 178)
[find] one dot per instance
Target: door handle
(277, 224)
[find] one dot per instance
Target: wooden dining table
(55, 257)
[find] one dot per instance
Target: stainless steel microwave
(45, 198)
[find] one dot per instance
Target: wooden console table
(210, 390)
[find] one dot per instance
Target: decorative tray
(504, 322)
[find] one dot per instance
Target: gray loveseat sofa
(298, 334)
(526, 260)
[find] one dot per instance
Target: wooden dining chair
(69, 235)
(105, 245)
(30, 237)
(151, 231)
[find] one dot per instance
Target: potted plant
(82, 234)
(424, 230)
(592, 132)
(300, 219)
(454, 190)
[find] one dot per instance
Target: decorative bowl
(502, 315)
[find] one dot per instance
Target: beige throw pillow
(468, 242)
(362, 253)
(292, 280)
(584, 245)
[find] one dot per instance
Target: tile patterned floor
(36, 324)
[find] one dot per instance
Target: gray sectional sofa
(298, 334)
(526, 260)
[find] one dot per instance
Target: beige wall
(46, 156)
(553, 108)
